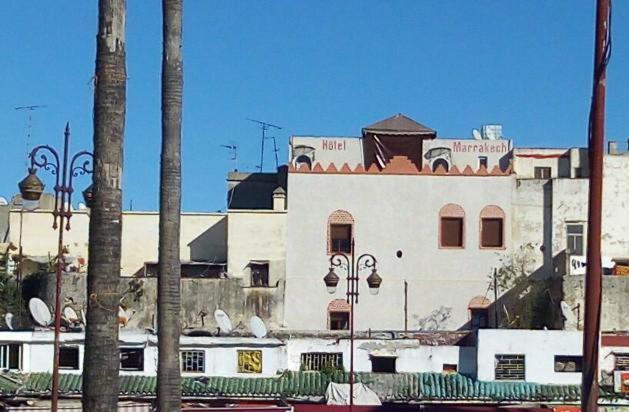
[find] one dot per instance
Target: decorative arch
(340, 231)
(478, 310)
(492, 227)
(451, 227)
(338, 314)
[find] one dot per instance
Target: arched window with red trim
(340, 232)
(492, 227)
(452, 227)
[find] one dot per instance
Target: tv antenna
(29, 125)
(233, 150)
(264, 126)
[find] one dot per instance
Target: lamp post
(353, 266)
(31, 189)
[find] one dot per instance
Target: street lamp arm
(367, 259)
(338, 259)
(41, 160)
(85, 166)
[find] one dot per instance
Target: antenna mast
(264, 126)
(233, 148)
(29, 124)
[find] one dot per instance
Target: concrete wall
(199, 297)
(392, 213)
(411, 356)
(203, 236)
(539, 348)
(256, 235)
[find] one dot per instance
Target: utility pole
(593, 278)
(495, 298)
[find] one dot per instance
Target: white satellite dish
(123, 317)
(82, 206)
(40, 312)
(257, 327)
(477, 134)
(70, 314)
(30, 205)
(223, 321)
(3, 201)
(8, 319)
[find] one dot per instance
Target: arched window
(303, 159)
(339, 312)
(492, 227)
(479, 312)
(340, 232)
(451, 226)
(440, 162)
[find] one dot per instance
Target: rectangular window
(69, 357)
(132, 359)
(11, 356)
(542, 172)
(568, 363)
(482, 161)
(510, 368)
(621, 361)
(574, 235)
(451, 232)
(316, 361)
(192, 361)
(383, 364)
(450, 368)
(339, 320)
(479, 318)
(259, 274)
(341, 238)
(491, 232)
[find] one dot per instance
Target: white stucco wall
(330, 149)
(203, 236)
(391, 213)
(256, 235)
(539, 348)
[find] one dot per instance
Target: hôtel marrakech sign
(477, 146)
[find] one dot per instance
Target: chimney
(279, 199)
(612, 147)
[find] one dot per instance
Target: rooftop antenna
(233, 149)
(29, 126)
(264, 126)
(275, 151)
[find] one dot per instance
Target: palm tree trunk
(168, 286)
(102, 359)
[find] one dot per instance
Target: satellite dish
(82, 206)
(39, 311)
(477, 134)
(8, 319)
(3, 201)
(257, 327)
(70, 314)
(223, 321)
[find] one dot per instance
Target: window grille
(316, 361)
(621, 361)
(510, 368)
(192, 361)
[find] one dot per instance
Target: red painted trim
(541, 156)
(615, 340)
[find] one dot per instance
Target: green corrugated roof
(300, 385)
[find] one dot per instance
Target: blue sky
(317, 67)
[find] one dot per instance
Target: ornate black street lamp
(31, 189)
(352, 266)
